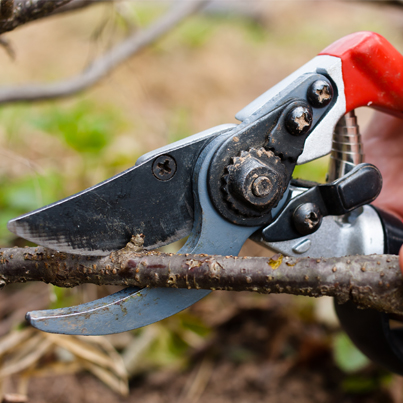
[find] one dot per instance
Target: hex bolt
(164, 167)
(256, 180)
(307, 218)
(299, 120)
(320, 93)
(262, 186)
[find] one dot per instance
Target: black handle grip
(368, 328)
(393, 231)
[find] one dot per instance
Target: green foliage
(143, 13)
(191, 323)
(201, 29)
(30, 192)
(351, 361)
(364, 384)
(166, 350)
(346, 355)
(13, 118)
(179, 125)
(20, 195)
(175, 335)
(359, 384)
(314, 171)
(62, 297)
(197, 32)
(255, 32)
(85, 127)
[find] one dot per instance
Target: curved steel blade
(132, 308)
(115, 313)
(104, 217)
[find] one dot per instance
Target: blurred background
(229, 347)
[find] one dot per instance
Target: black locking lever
(303, 214)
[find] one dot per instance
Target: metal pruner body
(232, 182)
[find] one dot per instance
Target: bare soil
(258, 354)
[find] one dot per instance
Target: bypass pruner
(234, 182)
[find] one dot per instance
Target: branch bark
(100, 67)
(369, 281)
(75, 5)
(7, 8)
(24, 11)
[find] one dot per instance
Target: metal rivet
(307, 218)
(299, 120)
(164, 167)
(320, 93)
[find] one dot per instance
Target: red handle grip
(372, 72)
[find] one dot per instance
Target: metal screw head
(299, 120)
(320, 93)
(307, 218)
(164, 167)
(262, 186)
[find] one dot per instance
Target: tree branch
(397, 3)
(100, 67)
(7, 9)
(369, 281)
(78, 5)
(26, 11)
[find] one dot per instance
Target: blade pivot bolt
(262, 186)
(255, 182)
(164, 167)
(320, 93)
(299, 120)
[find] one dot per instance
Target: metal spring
(347, 151)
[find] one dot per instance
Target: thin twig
(370, 281)
(75, 5)
(7, 9)
(100, 67)
(398, 3)
(25, 11)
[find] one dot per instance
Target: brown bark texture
(371, 281)
(75, 5)
(20, 12)
(6, 9)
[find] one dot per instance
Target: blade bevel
(112, 314)
(104, 217)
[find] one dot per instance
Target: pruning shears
(234, 182)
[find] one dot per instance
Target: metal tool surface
(233, 182)
(211, 232)
(103, 218)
